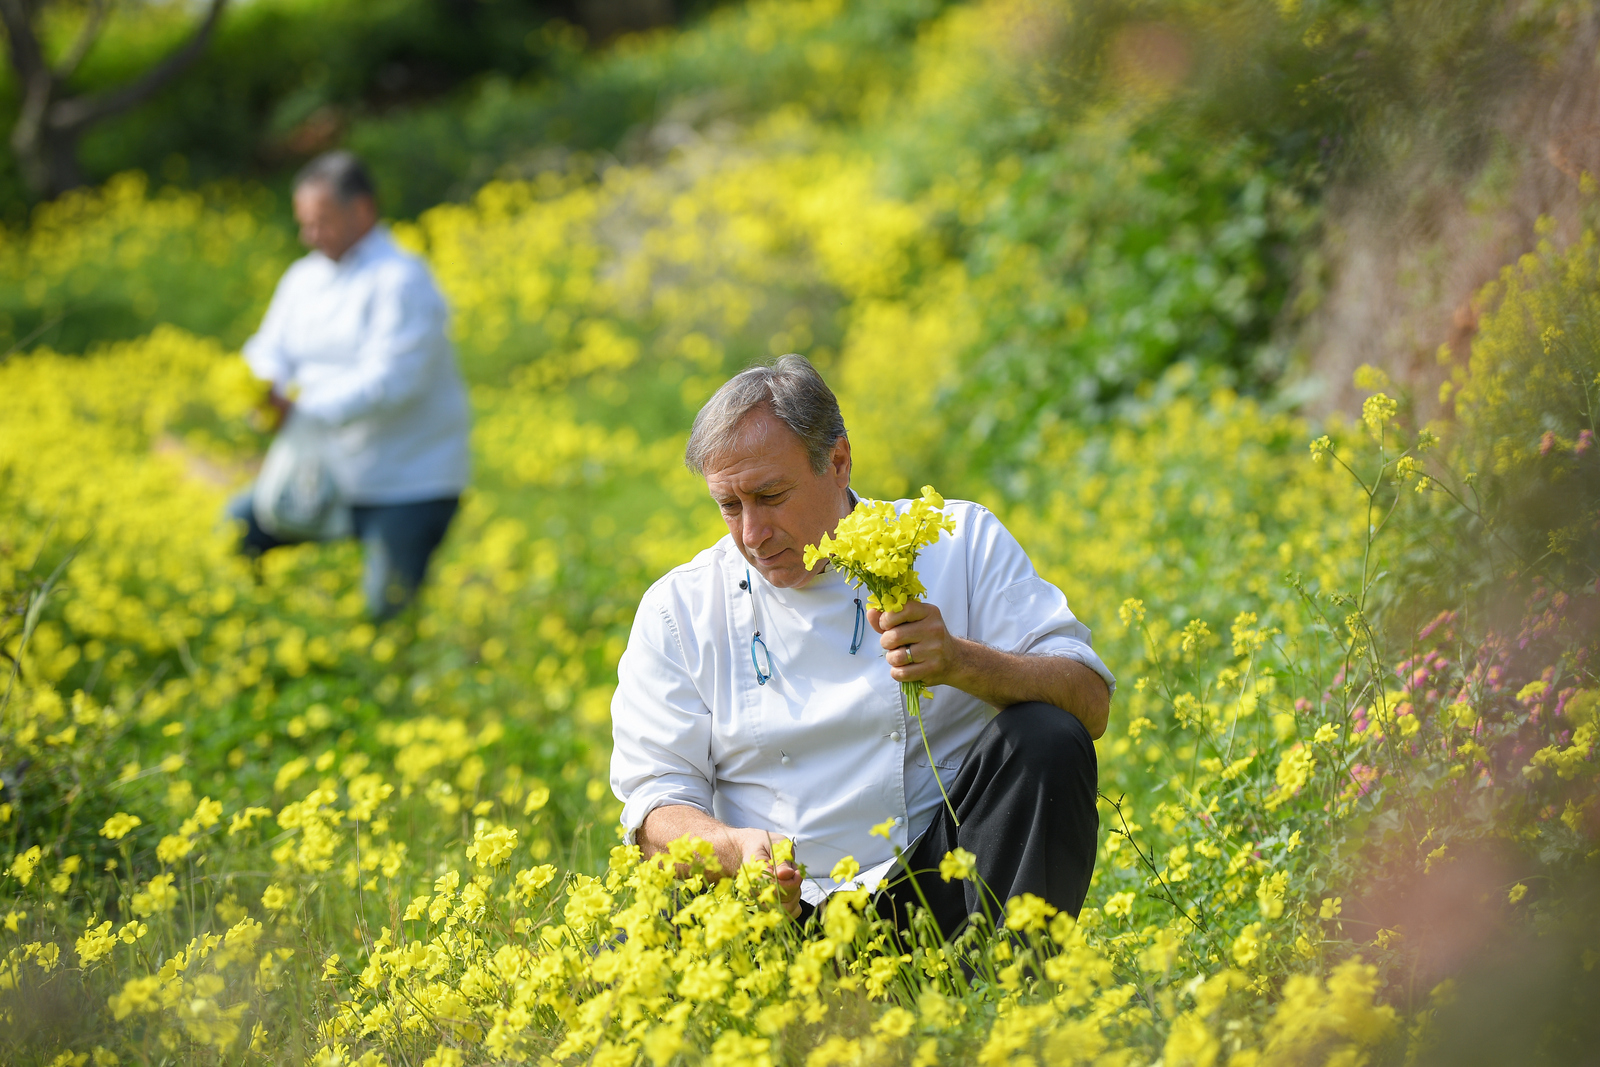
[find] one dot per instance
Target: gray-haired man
(753, 702)
(356, 333)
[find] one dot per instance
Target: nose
(755, 531)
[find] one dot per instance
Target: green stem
(913, 696)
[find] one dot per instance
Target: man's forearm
(669, 822)
(1003, 678)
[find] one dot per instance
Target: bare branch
(75, 114)
(93, 23)
(26, 54)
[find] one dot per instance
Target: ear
(839, 462)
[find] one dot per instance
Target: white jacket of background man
(824, 750)
(363, 340)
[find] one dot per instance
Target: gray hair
(791, 389)
(342, 172)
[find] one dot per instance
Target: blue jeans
(397, 542)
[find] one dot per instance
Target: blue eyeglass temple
(762, 677)
(765, 676)
(756, 642)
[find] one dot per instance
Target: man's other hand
(281, 404)
(272, 413)
(757, 846)
(733, 846)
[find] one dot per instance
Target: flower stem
(913, 694)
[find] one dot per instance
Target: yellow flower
(173, 848)
(1157, 956)
(158, 895)
(1119, 904)
(276, 897)
(876, 547)
(958, 864)
(1377, 410)
(24, 864)
(119, 825)
(896, 1022)
(96, 942)
(733, 1049)
(1028, 912)
(1331, 907)
(836, 1051)
(884, 829)
(845, 869)
(444, 1056)
(243, 820)
(662, 1044)
(207, 812)
(1294, 771)
(704, 980)
(138, 994)
(529, 882)
(1518, 891)
(492, 846)
(1269, 894)
(1247, 946)
(1370, 379)
(586, 903)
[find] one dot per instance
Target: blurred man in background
(354, 344)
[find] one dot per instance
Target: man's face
(773, 503)
(328, 224)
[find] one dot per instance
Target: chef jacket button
(787, 760)
(895, 736)
(898, 821)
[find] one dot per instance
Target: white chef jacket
(363, 339)
(825, 750)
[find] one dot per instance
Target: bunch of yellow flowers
(876, 547)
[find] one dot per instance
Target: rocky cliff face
(1405, 253)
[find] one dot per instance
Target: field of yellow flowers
(241, 824)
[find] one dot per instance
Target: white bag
(296, 497)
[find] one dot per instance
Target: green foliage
(108, 264)
(1529, 410)
(283, 78)
(834, 60)
(1106, 259)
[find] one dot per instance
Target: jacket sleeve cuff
(1072, 648)
(661, 792)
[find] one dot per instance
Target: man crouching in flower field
(356, 333)
(751, 713)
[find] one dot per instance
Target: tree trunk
(47, 158)
(51, 122)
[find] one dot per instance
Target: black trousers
(1025, 796)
